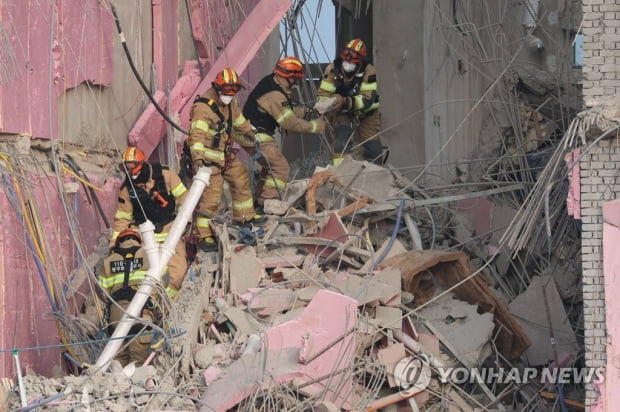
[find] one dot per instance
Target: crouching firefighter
(214, 116)
(123, 272)
(154, 192)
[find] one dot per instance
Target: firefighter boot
(208, 244)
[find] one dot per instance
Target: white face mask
(226, 99)
(348, 67)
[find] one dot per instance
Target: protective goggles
(230, 89)
(351, 56)
(131, 166)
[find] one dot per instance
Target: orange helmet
(133, 159)
(128, 234)
(354, 51)
(290, 68)
(227, 82)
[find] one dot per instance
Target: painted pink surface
(287, 353)
(150, 127)
(611, 271)
(599, 405)
(326, 318)
(24, 303)
(165, 42)
(81, 50)
(479, 211)
(573, 199)
(148, 131)
(244, 45)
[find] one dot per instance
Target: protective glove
(198, 163)
(325, 105)
(347, 104)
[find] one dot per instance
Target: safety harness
(158, 204)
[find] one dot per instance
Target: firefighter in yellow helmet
(122, 273)
(154, 192)
(269, 107)
(214, 117)
(352, 80)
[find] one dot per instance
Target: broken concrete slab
(541, 312)
(458, 324)
(389, 357)
(246, 270)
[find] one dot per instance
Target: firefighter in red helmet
(214, 117)
(122, 274)
(269, 107)
(355, 112)
(154, 192)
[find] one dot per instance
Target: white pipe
(20, 380)
(150, 246)
(153, 274)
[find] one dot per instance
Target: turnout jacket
(150, 190)
(211, 126)
(360, 87)
(269, 106)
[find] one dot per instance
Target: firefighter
(122, 274)
(269, 107)
(154, 192)
(214, 116)
(352, 80)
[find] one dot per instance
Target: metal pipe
(153, 274)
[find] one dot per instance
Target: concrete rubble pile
(347, 300)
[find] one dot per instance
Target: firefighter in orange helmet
(353, 81)
(214, 117)
(154, 192)
(269, 107)
(121, 275)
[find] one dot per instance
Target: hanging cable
(137, 75)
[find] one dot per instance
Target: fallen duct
(161, 255)
(423, 270)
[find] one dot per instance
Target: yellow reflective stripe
(315, 126)
(359, 102)
(263, 137)
(368, 87)
(244, 140)
(172, 291)
(373, 107)
(161, 237)
(284, 115)
(200, 125)
(119, 279)
(271, 181)
(123, 215)
(115, 234)
(202, 222)
(328, 86)
(243, 205)
(197, 147)
(215, 155)
(239, 120)
(337, 161)
(179, 190)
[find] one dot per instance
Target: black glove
(347, 104)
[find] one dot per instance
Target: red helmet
(290, 68)
(128, 234)
(227, 82)
(354, 51)
(133, 158)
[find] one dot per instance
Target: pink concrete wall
(611, 272)
(24, 303)
(80, 48)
